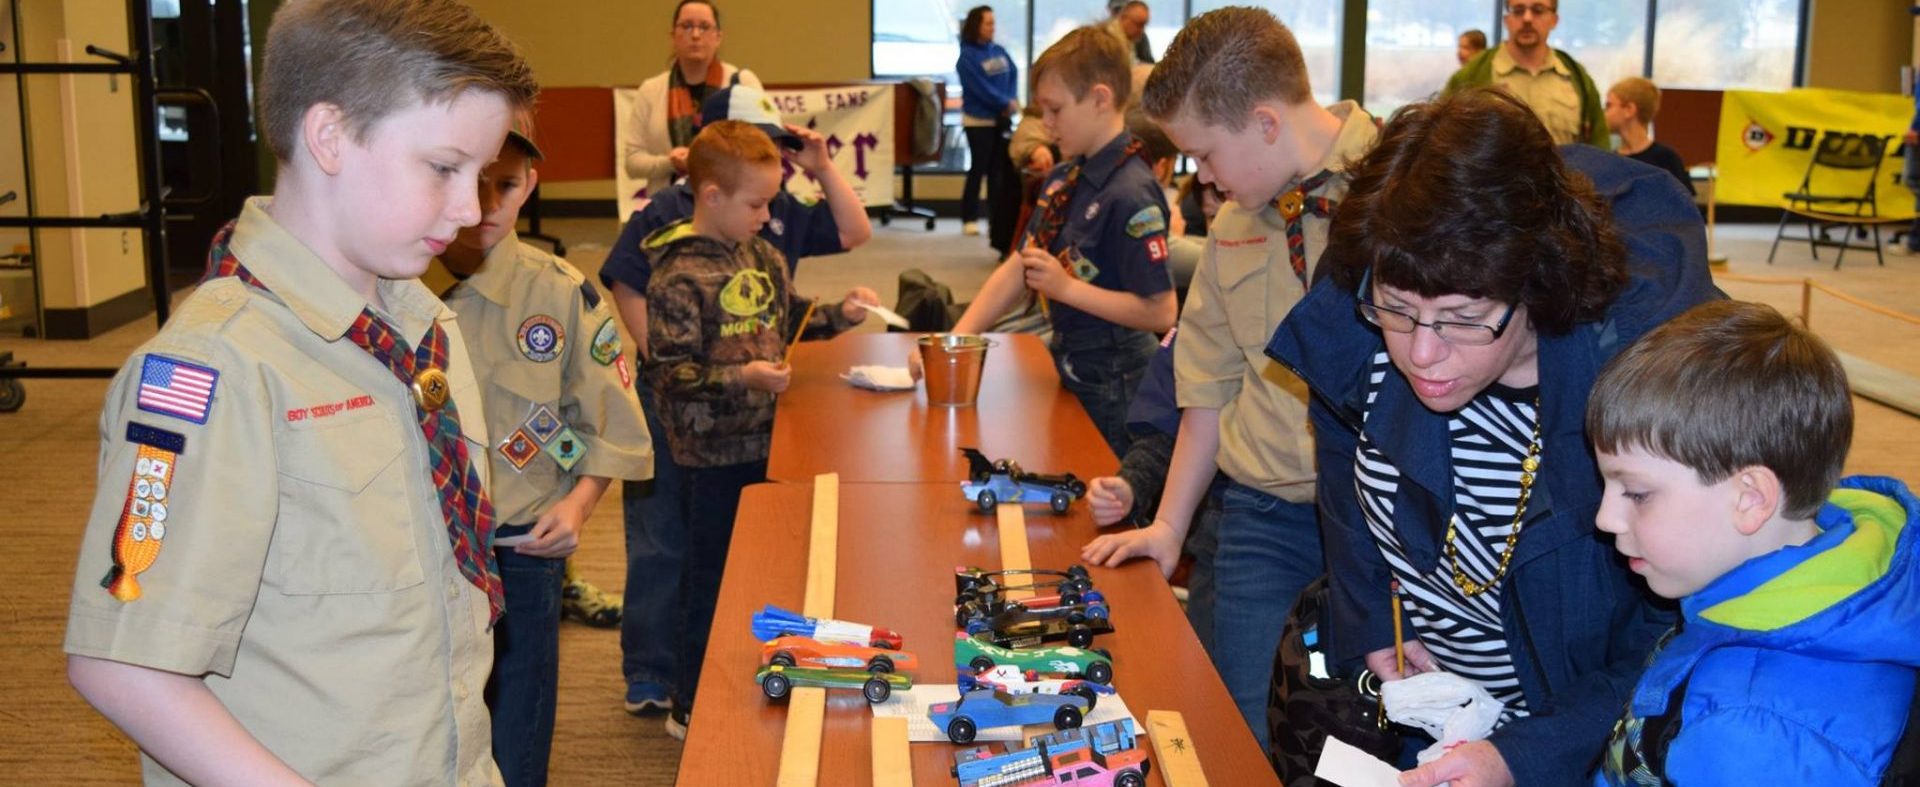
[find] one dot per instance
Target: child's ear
(1102, 96)
(1267, 119)
(1757, 497)
(533, 178)
(324, 134)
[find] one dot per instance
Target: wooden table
(899, 544)
(824, 425)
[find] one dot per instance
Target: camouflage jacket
(712, 308)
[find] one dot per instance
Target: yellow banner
(1767, 141)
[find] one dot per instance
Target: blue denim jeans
(1203, 543)
(1102, 367)
(1269, 551)
(1912, 177)
(710, 496)
(656, 543)
(525, 682)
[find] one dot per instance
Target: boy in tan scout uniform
(560, 408)
(287, 574)
(1232, 92)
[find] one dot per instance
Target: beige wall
(82, 144)
(1859, 44)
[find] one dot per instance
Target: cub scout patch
(176, 388)
(606, 343)
(519, 448)
(566, 449)
(1149, 220)
(541, 338)
(143, 520)
(542, 425)
(1081, 267)
(1157, 248)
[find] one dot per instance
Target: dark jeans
(1103, 367)
(1912, 175)
(1203, 543)
(526, 666)
(656, 543)
(1269, 549)
(986, 146)
(709, 497)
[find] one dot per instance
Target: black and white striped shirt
(1489, 439)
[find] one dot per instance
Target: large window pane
(922, 37)
(1053, 19)
(1726, 43)
(1411, 47)
(1316, 24)
(1609, 39)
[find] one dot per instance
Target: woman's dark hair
(708, 3)
(1467, 195)
(970, 29)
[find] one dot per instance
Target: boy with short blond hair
(559, 405)
(1232, 92)
(721, 309)
(1095, 249)
(1720, 437)
(1632, 104)
(297, 584)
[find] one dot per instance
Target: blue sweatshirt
(988, 79)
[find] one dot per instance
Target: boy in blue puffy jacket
(1720, 436)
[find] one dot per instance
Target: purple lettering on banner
(791, 104)
(861, 144)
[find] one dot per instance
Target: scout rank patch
(543, 424)
(143, 520)
(541, 338)
(1149, 220)
(1081, 267)
(606, 343)
(566, 449)
(519, 448)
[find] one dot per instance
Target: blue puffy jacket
(1578, 625)
(1798, 665)
(988, 79)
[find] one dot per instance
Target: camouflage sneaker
(588, 604)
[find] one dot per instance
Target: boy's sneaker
(1902, 250)
(970, 228)
(590, 605)
(647, 696)
(677, 723)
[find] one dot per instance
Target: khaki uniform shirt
(1551, 92)
(1242, 289)
(558, 390)
(303, 566)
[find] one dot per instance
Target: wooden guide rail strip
(807, 706)
(1807, 286)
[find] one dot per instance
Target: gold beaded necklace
(1528, 467)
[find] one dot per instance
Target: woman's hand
(1382, 662)
(1470, 764)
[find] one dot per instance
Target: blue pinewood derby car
(983, 708)
(991, 483)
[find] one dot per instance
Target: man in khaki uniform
(285, 577)
(1280, 159)
(560, 407)
(1547, 80)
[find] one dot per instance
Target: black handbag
(1303, 709)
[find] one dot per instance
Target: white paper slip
(512, 541)
(885, 314)
(1343, 765)
(913, 703)
(880, 378)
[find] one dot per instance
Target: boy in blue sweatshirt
(1720, 437)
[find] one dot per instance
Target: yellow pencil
(804, 319)
(1399, 648)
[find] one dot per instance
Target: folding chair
(1839, 190)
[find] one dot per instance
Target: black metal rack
(150, 218)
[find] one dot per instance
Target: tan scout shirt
(580, 388)
(1551, 92)
(304, 570)
(1242, 289)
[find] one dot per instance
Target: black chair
(1838, 191)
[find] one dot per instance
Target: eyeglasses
(1459, 334)
(1537, 9)
(695, 27)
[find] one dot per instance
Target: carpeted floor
(49, 736)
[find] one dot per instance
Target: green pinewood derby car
(979, 656)
(777, 681)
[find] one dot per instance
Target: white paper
(913, 703)
(512, 541)
(885, 314)
(1343, 765)
(880, 378)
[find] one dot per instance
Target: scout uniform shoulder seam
(201, 320)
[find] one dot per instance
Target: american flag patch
(176, 388)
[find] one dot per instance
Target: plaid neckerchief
(683, 113)
(1292, 204)
(1053, 206)
(463, 498)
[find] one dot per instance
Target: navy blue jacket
(797, 229)
(1578, 624)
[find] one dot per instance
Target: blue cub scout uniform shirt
(796, 228)
(1116, 229)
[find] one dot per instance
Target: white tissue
(1450, 708)
(880, 378)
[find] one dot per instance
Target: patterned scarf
(1053, 205)
(683, 113)
(1292, 204)
(463, 499)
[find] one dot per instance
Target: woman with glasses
(666, 115)
(1479, 277)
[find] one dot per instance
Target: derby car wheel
(961, 730)
(1066, 717)
(1080, 636)
(980, 664)
(880, 664)
(876, 690)
(782, 659)
(1100, 672)
(987, 501)
(776, 685)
